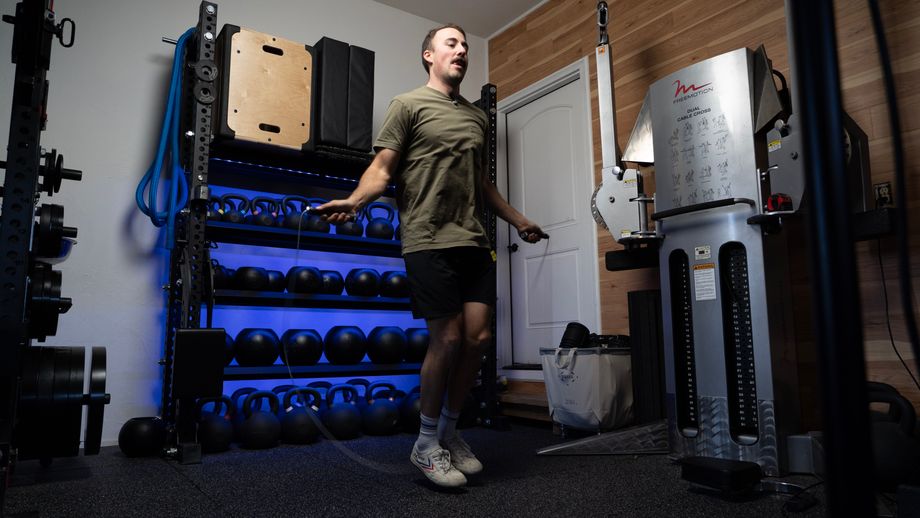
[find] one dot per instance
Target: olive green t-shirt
(441, 142)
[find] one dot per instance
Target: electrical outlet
(883, 195)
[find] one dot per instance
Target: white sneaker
(436, 465)
(461, 457)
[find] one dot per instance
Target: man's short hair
(426, 43)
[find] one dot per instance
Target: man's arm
(528, 230)
(373, 183)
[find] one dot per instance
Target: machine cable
(894, 118)
(881, 269)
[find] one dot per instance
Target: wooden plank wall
(653, 38)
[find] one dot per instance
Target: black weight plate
(34, 433)
(48, 410)
(96, 410)
(29, 389)
(63, 399)
(70, 416)
(37, 292)
(27, 414)
(50, 230)
(44, 412)
(45, 298)
(53, 284)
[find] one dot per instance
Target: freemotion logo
(684, 92)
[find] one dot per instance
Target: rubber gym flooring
(371, 476)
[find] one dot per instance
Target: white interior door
(549, 178)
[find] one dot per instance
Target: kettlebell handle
(222, 401)
(369, 396)
(301, 393)
(239, 393)
(289, 204)
(330, 395)
(220, 204)
(263, 203)
(900, 408)
(380, 205)
(242, 206)
(257, 396)
(281, 390)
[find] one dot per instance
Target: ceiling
(481, 18)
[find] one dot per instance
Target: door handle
(512, 248)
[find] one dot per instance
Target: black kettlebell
(262, 211)
(228, 349)
(256, 347)
(222, 277)
(275, 280)
(333, 283)
(301, 347)
(360, 385)
(215, 429)
(260, 429)
(343, 419)
(380, 227)
(410, 410)
(215, 208)
(235, 208)
(394, 284)
(345, 345)
(417, 347)
(895, 449)
(236, 399)
(280, 391)
(300, 416)
(362, 282)
(386, 344)
(252, 278)
(352, 227)
(142, 437)
(296, 211)
(304, 279)
(315, 222)
(322, 387)
(380, 415)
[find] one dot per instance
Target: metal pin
(208, 36)
(169, 40)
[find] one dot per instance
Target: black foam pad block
(198, 365)
(725, 475)
(331, 108)
(360, 98)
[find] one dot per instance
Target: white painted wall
(104, 112)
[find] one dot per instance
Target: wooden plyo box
(266, 90)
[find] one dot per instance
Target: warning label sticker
(704, 281)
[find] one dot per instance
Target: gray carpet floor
(371, 476)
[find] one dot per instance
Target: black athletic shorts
(442, 280)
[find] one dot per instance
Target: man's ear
(426, 55)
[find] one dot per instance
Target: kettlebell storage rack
(189, 286)
(41, 388)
